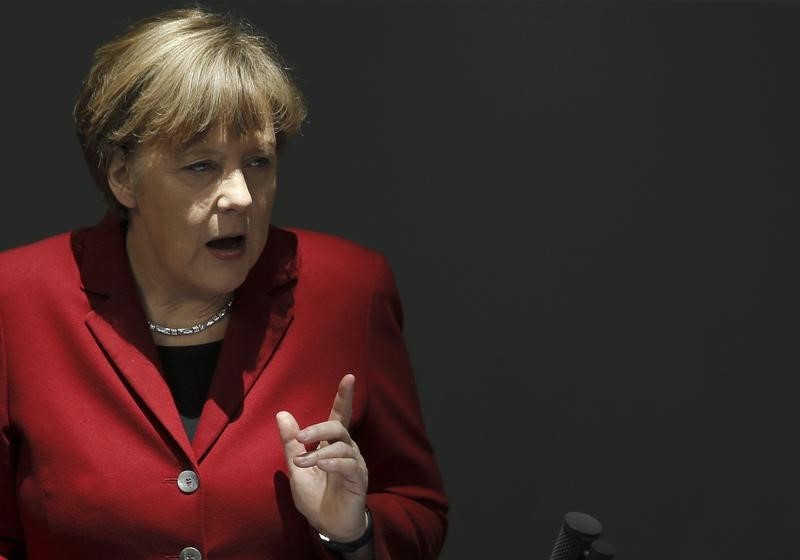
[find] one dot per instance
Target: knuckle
(344, 449)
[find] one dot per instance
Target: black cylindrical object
(576, 534)
(601, 550)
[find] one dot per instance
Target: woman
(156, 369)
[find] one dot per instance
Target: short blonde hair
(174, 76)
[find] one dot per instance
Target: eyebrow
(196, 151)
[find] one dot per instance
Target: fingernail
(303, 459)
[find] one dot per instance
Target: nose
(234, 195)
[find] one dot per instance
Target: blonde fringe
(173, 77)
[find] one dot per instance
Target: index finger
(342, 408)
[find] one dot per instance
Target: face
(199, 215)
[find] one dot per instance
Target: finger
(288, 430)
(329, 431)
(348, 467)
(342, 408)
(333, 451)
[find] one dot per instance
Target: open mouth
(233, 243)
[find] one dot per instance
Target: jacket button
(188, 482)
(191, 553)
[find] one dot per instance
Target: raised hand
(329, 484)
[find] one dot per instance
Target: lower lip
(228, 254)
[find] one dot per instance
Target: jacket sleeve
(406, 496)
(10, 526)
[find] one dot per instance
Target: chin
(224, 282)
(215, 275)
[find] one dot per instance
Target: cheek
(197, 213)
(262, 205)
(173, 208)
(259, 219)
(266, 195)
(182, 228)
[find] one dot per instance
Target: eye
(260, 162)
(200, 166)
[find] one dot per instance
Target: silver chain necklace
(194, 329)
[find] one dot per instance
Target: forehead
(219, 139)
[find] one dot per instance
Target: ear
(120, 178)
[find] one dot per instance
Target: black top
(188, 371)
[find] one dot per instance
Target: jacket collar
(261, 313)
(103, 260)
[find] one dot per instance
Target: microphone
(601, 550)
(577, 539)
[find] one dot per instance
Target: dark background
(591, 213)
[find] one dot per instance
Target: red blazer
(91, 444)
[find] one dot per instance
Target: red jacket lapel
(118, 323)
(261, 313)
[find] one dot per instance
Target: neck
(185, 314)
(174, 308)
